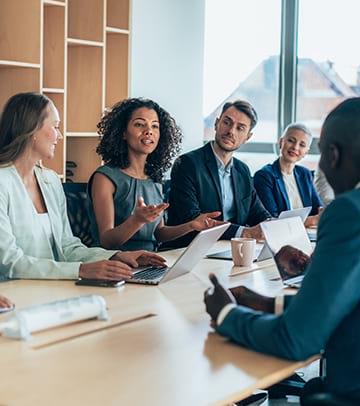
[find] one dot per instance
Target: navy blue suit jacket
(270, 187)
(325, 313)
(195, 189)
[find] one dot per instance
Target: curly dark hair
(113, 147)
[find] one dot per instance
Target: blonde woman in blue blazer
(36, 238)
(284, 185)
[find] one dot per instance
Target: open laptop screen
(289, 244)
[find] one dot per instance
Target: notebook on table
(195, 251)
(290, 246)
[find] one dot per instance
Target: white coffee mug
(243, 251)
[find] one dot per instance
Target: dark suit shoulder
(240, 165)
(340, 215)
(192, 156)
(347, 199)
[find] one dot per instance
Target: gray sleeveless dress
(127, 192)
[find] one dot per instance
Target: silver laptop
(290, 246)
(303, 213)
(195, 251)
(262, 253)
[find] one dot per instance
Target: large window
(328, 65)
(242, 48)
(294, 60)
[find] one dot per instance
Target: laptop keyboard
(294, 282)
(151, 273)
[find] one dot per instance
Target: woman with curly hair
(36, 239)
(139, 141)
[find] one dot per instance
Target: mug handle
(240, 250)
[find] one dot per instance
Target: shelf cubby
(84, 88)
(86, 20)
(117, 50)
(82, 151)
(15, 79)
(77, 53)
(117, 14)
(54, 47)
(20, 23)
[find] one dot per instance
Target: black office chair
(315, 394)
(326, 399)
(166, 190)
(166, 196)
(77, 211)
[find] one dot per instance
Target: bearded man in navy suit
(210, 179)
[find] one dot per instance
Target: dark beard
(224, 148)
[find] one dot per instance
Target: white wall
(167, 47)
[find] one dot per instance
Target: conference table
(157, 348)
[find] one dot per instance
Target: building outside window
(242, 60)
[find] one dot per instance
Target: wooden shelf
(86, 20)
(77, 53)
(54, 3)
(117, 14)
(15, 79)
(84, 88)
(52, 90)
(54, 47)
(20, 23)
(117, 30)
(19, 64)
(82, 151)
(117, 50)
(73, 42)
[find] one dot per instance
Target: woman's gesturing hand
(206, 220)
(148, 213)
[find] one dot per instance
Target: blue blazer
(195, 189)
(270, 187)
(325, 313)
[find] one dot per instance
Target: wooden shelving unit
(77, 53)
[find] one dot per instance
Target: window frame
(287, 95)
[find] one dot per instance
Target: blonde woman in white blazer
(36, 241)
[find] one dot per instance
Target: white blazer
(25, 249)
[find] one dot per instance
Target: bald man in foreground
(324, 317)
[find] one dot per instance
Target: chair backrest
(166, 196)
(166, 190)
(77, 211)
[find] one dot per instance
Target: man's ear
(334, 155)
(249, 135)
(281, 141)
(216, 122)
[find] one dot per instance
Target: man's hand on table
(216, 298)
(249, 298)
